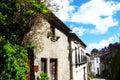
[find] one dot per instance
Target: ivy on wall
(15, 22)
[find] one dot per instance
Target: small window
(44, 65)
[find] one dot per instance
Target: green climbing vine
(13, 60)
(15, 18)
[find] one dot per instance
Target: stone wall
(45, 48)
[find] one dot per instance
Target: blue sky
(96, 22)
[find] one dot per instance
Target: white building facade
(95, 65)
(79, 59)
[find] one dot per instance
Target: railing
(83, 61)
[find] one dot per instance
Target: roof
(59, 24)
(98, 55)
(63, 28)
(75, 37)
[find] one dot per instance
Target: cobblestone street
(98, 79)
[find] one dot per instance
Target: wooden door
(31, 75)
(53, 69)
(29, 69)
(44, 65)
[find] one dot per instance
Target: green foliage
(3, 20)
(41, 8)
(94, 51)
(29, 13)
(44, 76)
(13, 62)
(115, 66)
(15, 17)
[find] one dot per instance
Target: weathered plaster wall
(45, 48)
(57, 50)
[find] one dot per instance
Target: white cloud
(101, 44)
(79, 30)
(98, 13)
(65, 9)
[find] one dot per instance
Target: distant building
(101, 62)
(99, 65)
(95, 65)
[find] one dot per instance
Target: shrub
(44, 76)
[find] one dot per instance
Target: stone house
(53, 53)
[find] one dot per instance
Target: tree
(115, 66)
(13, 60)
(15, 21)
(94, 51)
(54, 5)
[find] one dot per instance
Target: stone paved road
(97, 79)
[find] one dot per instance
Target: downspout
(70, 57)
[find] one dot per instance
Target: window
(82, 56)
(97, 60)
(76, 57)
(44, 65)
(53, 69)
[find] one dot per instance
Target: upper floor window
(76, 56)
(97, 60)
(79, 55)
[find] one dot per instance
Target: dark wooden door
(53, 69)
(44, 65)
(29, 69)
(31, 75)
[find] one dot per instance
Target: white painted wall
(95, 68)
(78, 71)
